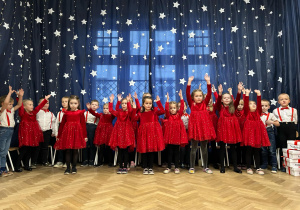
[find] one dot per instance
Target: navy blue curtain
(93, 48)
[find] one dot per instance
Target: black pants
(88, 153)
(214, 153)
(285, 132)
(25, 154)
(241, 155)
(105, 155)
(173, 151)
(233, 154)
(147, 159)
(250, 151)
(185, 154)
(60, 154)
(74, 154)
(123, 157)
(42, 149)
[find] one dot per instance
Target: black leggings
(252, 151)
(25, 153)
(123, 157)
(69, 153)
(233, 154)
(147, 159)
(173, 151)
(106, 153)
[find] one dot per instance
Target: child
(60, 153)
(174, 134)
(288, 119)
(122, 136)
(72, 133)
(88, 153)
(30, 134)
(184, 151)
(269, 120)
(103, 133)
(254, 132)
(7, 124)
(46, 120)
(229, 131)
(200, 125)
(150, 138)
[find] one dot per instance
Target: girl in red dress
(229, 131)
(150, 138)
(175, 133)
(103, 132)
(200, 125)
(72, 133)
(122, 136)
(30, 133)
(255, 133)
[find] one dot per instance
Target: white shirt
(270, 117)
(58, 120)
(89, 118)
(286, 115)
(185, 120)
(7, 118)
(46, 120)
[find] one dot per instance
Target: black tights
(69, 153)
(233, 154)
(123, 157)
(256, 153)
(173, 151)
(147, 159)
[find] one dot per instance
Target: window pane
(165, 39)
(141, 40)
(198, 71)
(107, 72)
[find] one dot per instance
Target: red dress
(200, 125)
(213, 116)
(150, 137)
(134, 123)
(122, 134)
(254, 132)
(241, 117)
(228, 125)
(30, 133)
(104, 128)
(174, 131)
(72, 131)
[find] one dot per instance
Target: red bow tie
(284, 108)
(45, 110)
(264, 114)
(9, 111)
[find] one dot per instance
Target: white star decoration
(173, 30)
(182, 81)
(222, 10)
(280, 79)
(192, 34)
(260, 49)
(183, 57)
(57, 33)
(72, 18)
(273, 102)
(120, 39)
(153, 26)
(66, 76)
(262, 7)
(160, 48)
(83, 92)
(251, 72)
(52, 93)
(72, 57)
(136, 46)
(38, 20)
(113, 56)
(47, 52)
(213, 54)
(247, 1)
(279, 34)
(6, 25)
(20, 53)
(204, 8)
(131, 83)
(105, 100)
(83, 22)
(162, 15)
(95, 47)
(103, 12)
(176, 4)
(93, 73)
(234, 29)
(128, 22)
(50, 11)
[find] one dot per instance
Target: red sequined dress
(72, 131)
(30, 133)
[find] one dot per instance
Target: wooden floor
(102, 188)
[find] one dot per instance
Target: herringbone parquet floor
(102, 188)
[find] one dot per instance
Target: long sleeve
(138, 106)
(216, 95)
(246, 105)
(83, 126)
(61, 126)
(181, 107)
(188, 96)
(39, 107)
(208, 95)
(237, 100)
(118, 106)
(167, 110)
(129, 107)
(53, 125)
(258, 106)
(98, 115)
(161, 108)
(296, 116)
(219, 103)
(111, 110)
(21, 110)
(232, 97)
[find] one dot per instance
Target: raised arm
(7, 99)
(20, 95)
(208, 95)
(188, 91)
(181, 103)
(219, 103)
(238, 96)
(167, 110)
(246, 102)
(258, 102)
(40, 106)
(98, 115)
(160, 106)
(110, 105)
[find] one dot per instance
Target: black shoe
(18, 170)
(74, 170)
(237, 170)
(222, 170)
(47, 164)
(84, 163)
(67, 171)
(27, 169)
(91, 163)
(216, 166)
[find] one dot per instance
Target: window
(139, 42)
(139, 74)
(107, 42)
(198, 71)
(199, 45)
(164, 43)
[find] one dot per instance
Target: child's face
(284, 100)
(226, 99)
(105, 109)
(46, 106)
(265, 106)
(147, 104)
(124, 105)
(64, 102)
(240, 106)
(28, 106)
(173, 108)
(94, 106)
(252, 106)
(9, 106)
(74, 104)
(198, 97)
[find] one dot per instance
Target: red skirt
(214, 119)
(71, 137)
(103, 133)
(150, 138)
(30, 134)
(122, 136)
(200, 126)
(229, 130)
(255, 134)
(175, 133)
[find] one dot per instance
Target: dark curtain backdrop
(93, 48)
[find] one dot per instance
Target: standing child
(46, 120)
(88, 153)
(122, 136)
(30, 133)
(174, 134)
(200, 125)
(103, 133)
(288, 119)
(72, 133)
(184, 151)
(150, 138)
(269, 120)
(7, 124)
(229, 131)
(60, 154)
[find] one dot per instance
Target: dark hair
(143, 101)
(231, 108)
(73, 97)
(196, 90)
(265, 100)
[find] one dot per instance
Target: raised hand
(207, 78)
(135, 96)
(247, 92)
(180, 94)
(88, 105)
(240, 87)
(111, 98)
(20, 93)
(229, 91)
(157, 98)
(133, 105)
(199, 86)
(168, 98)
(10, 90)
(128, 97)
(190, 80)
(47, 97)
(213, 88)
(244, 91)
(257, 92)
(120, 97)
(220, 89)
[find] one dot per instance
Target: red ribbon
(296, 142)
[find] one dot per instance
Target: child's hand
(220, 89)
(240, 87)
(168, 97)
(244, 91)
(199, 86)
(257, 92)
(157, 98)
(207, 78)
(20, 93)
(120, 97)
(190, 80)
(213, 88)
(135, 96)
(180, 94)
(133, 105)
(111, 98)
(10, 90)
(229, 91)
(88, 105)
(128, 97)
(52, 135)
(47, 97)
(247, 92)
(269, 122)
(85, 139)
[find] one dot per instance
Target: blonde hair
(265, 100)
(231, 108)
(282, 94)
(96, 101)
(106, 104)
(196, 90)
(2, 99)
(26, 100)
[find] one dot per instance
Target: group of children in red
(242, 125)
